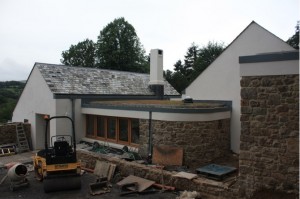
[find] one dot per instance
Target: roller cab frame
(57, 165)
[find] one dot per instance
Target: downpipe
(150, 137)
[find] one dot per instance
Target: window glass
(123, 130)
(111, 128)
(135, 131)
(101, 127)
(90, 125)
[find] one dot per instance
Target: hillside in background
(9, 95)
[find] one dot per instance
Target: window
(90, 125)
(123, 130)
(135, 130)
(113, 129)
(101, 127)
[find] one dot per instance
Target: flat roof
(177, 106)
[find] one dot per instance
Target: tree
(195, 62)
(118, 47)
(191, 56)
(178, 66)
(9, 94)
(177, 80)
(81, 54)
(294, 40)
(206, 56)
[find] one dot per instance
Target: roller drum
(62, 183)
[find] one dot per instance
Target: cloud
(31, 32)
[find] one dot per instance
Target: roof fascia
(120, 97)
(270, 57)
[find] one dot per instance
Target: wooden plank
(143, 184)
(167, 155)
(164, 187)
(100, 172)
(186, 175)
(111, 171)
(101, 168)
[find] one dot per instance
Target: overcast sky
(39, 30)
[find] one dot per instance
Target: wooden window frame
(105, 128)
(128, 131)
(117, 127)
(88, 117)
(130, 128)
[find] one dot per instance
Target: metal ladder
(21, 138)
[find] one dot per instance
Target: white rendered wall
(156, 67)
(221, 80)
(63, 127)
(36, 98)
(79, 121)
(159, 115)
(290, 67)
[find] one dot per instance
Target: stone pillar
(269, 156)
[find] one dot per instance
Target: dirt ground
(35, 188)
(267, 194)
(35, 191)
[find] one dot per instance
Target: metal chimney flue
(156, 73)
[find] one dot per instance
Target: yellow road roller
(57, 164)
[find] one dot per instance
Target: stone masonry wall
(8, 133)
(209, 189)
(202, 142)
(269, 149)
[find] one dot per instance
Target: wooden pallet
(7, 149)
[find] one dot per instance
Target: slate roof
(63, 79)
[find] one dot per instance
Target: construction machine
(57, 164)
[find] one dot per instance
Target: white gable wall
(36, 100)
(221, 80)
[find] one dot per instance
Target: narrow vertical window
(123, 130)
(101, 126)
(90, 125)
(111, 128)
(135, 131)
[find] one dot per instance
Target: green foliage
(177, 80)
(191, 57)
(196, 61)
(118, 48)
(81, 54)
(294, 40)
(9, 94)
(206, 56)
